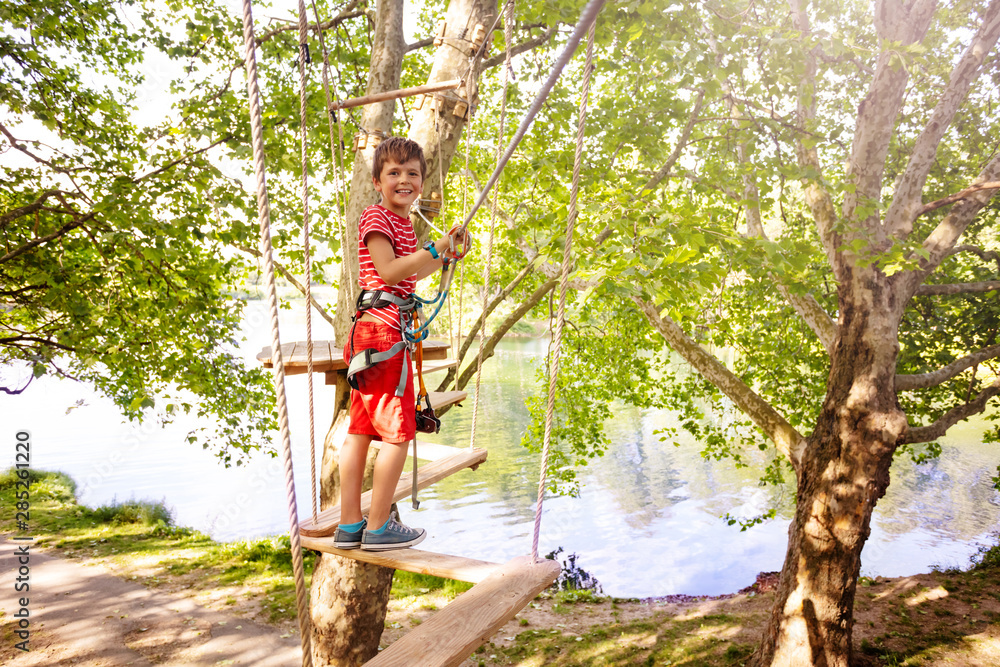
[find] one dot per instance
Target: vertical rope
(304, 142)
(336, 143)
(465, 198)
(264, 214)
(508, 32)
(588, 69)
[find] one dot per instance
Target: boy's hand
(456, 235)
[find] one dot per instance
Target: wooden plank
(440, 399)
(450, 636)
(435, 471)
(327, 357)
(438, 365)
(396, 94)
(458, 568)
(429, 451)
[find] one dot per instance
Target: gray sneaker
(347, 539)
(395, 536)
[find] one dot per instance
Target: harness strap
(365, 359)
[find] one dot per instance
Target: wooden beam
(450, 636)
(327, 357)
(397, 94)
(458, 568)
(435, 471)
(429, 451)
(435, 365)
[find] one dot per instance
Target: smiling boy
(383, 403)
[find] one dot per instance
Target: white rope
(303, 81)
(587, 17)
(264, 214)
(588, 69)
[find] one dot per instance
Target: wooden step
(429, 451)
(428, 474)
(435, 365)
(411, 560)
(448, 637)
(327, 357)
(441, 399)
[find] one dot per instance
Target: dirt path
(82, 614)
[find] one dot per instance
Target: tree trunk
(844, 471)
(435, 126)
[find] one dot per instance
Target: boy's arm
(394, 270)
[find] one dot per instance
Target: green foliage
(144, 512)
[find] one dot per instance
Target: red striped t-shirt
(404, 242)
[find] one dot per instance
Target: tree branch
(512, 319)
(945, 373)
(788, 440)
(34, 206)
(521, 48)
(906, 201)
(958, 288)
(877, 116)
(345, 14)
(174, 163)
(62, 231)
(940, 242)
(958, 196)
(290, 278)
(947, 420)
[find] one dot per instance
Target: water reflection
(647, 521)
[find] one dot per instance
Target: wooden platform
(327, 357)
(428, 474)
(448, 637)
(430, 451)
(411, 560)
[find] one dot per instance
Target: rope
(336, 143)
(264, 214)
(588, 69)
(303, 80)
(508, 31)
(587, 17)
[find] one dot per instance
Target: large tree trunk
(844, 472)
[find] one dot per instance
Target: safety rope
(508, 32)
(264, 214)
(587, 17)
(304, 142)
(588, 69)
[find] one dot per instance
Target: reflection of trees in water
(952, 493)
(645, 478)
(509, 477)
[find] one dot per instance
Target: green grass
(144, 528)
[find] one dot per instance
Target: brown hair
(400, 150)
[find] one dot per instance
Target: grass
(943, 617)
(144, 529)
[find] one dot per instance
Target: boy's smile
(399, 185)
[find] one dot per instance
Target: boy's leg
(388, 468)
(352, 472)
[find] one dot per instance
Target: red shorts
(375, 408)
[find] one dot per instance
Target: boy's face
(399, 185)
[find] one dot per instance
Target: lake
(647, 521)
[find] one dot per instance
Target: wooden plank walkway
(448, 637)
(458, 568)
(433, 472)
(429, 451)
(327, 357)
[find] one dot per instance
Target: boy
(390, 262)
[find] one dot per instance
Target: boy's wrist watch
(432, 249)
